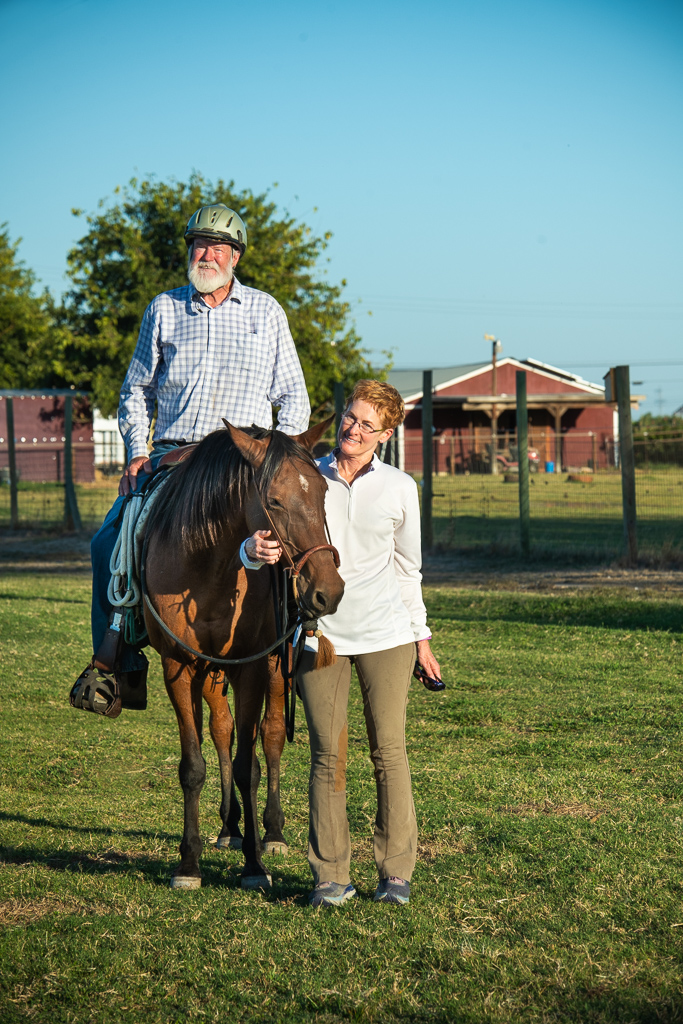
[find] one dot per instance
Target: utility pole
(497, 346)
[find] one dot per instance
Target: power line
(607, 363)
(518, 308)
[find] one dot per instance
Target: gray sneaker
(331, 894)
(392, 890)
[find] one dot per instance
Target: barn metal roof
(409, 382)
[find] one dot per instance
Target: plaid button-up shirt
(201, 364)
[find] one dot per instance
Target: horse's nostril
(320, 601)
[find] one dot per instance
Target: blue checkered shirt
(201, 364)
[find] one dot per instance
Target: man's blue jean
(101, 548)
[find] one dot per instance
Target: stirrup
(96, 691)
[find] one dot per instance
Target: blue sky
(510, 168)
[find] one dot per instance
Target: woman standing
(381, 627)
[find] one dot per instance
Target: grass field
(476, 512)
(566, 516)
(549, 797)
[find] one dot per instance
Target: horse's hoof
(275, 847)
(185, 882)
(229, 842)
(257, 881)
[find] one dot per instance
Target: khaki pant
(384, 681)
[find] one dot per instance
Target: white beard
(207, 277)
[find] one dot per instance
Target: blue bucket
(550, 467)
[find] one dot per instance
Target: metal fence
(41, 491)
(576, 497)
(575, 504)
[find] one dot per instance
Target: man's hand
(260, 549)
(426, 659)
(129, 480)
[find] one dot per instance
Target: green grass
(549, 797)
(566, 517)
(42, 505)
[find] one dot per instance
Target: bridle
(293, 569)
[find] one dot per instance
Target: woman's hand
(426, 659)
(260, 549)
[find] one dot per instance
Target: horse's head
(289, 488)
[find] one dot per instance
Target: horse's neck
(229, 543)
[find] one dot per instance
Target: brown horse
(198, 586)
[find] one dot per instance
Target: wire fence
(575, 498)
(575, 503)
(40, 467)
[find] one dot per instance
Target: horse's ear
(253, 450)
(310, 437)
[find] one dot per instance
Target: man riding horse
(210, 350)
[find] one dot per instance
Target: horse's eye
(274, 503)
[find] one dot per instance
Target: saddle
(102, 688)
(175, 456)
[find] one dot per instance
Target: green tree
(651, 426)
(30, 342)
(134, 249)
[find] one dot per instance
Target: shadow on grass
(287, 886)
(611, 612)
(600, 1004)
(104, 830)
(590, 1006)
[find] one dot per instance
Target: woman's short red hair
(384, 399)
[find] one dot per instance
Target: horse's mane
(206, 490)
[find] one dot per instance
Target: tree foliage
(650, 425)
(134, 249)
(30, 341)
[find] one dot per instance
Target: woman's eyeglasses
(364, 427)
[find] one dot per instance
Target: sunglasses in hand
(435, 685)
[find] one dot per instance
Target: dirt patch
(449, 570)
(571, 810)
(27, 911)
(30, 551)
(33, 551)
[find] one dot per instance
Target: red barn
(570, 423)
(39, 435)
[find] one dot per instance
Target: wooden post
(628, 465)
(338, 406)
(594, 451)
(72, 517)
(427, 490)
(451, 468)
(523, 460)
(12, 457)
(558, 441)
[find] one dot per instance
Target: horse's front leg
(249, 689)
(273, 741)
(184, 687)
(222, 729)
